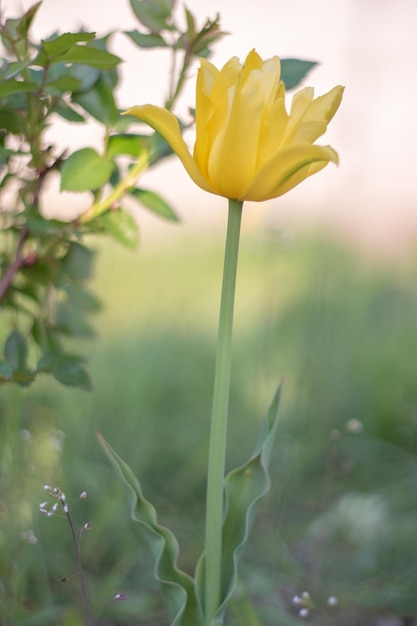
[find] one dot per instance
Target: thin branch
(15, 265)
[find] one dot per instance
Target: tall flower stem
(218, 433)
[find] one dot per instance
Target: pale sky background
(370, 46)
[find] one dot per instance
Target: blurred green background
(340, 519)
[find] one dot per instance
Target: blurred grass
(340, 519)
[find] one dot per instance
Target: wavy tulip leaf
(244, 487)
(293, 71)
(177, 587)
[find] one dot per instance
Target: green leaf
(66, 369)
(147, 40)
(15, 67)
(87, 55)
(99, 101)
(82, 300)
(177, 587)
(78, 262)
(244, 487)
(16, 351)
(64, 110)
(38, 224)
(62, 84)
(27, 19)
(86, 75)
(122, 226)
(63, 43)
(154, 14)
(154, 203)
(124, 144)
(12, 86)
(6, 370)
(85, 170)
(73, 375)
(293, 71)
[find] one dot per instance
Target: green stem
(217, 450)
(124, 185)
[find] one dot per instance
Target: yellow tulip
(247, 146)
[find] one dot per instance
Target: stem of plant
(218, 433)
(87, 609)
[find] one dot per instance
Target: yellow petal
(273, 129)
(280, 173)
(212, 118)
(234, 152)
(318, 115)
(324, 107)
(165, 123)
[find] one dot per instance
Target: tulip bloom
(247, 146)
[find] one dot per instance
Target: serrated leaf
(124, 144)
(42, 226)
(62, 84)
(147, 40)
(12, 86)
(27, 19)
(62, 43)
(73, 375)
(82, 299)
(78, 262)
(85, 170)
(154, 203)
(63, 109)
(86, 75)
(16, 351)
(66, 369)
(244, 487)
(87, 55)
(6, 370)
(154, 14)
(293, 71)
(15, 67)
(177, 587)
(122, 226)
(99, 101)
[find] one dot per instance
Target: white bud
(83, 495)
(306, 596)
(119, 596)
(332, 601)
(303, 613)
(296, 600)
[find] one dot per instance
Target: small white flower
(303, 613)
(83, 495)
(354, 426)
(119, 596)
(306, 596)
(332, 601)
(296, 600)
(29, 536)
